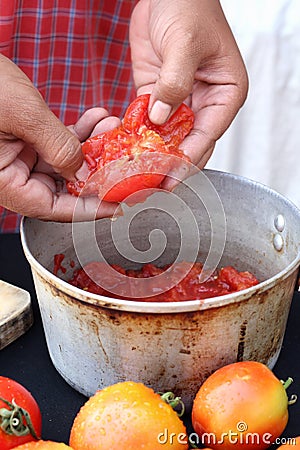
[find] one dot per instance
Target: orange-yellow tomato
(241, 405)
(43, 445)
(127, 415)
(292, 443)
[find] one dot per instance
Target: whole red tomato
(134, 156)
(43, 445)
(241, 405)
(127, 415)
(20, 416)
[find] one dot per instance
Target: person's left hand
(184, 50)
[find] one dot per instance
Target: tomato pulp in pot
(182, 281)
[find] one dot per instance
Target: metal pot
(96, 341)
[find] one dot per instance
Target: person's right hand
(184, 51)
(36, 150)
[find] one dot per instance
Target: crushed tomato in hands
(136, 155)
(224, 281)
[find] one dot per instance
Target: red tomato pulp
(94, 277)
(136, 155)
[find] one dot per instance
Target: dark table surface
(27, 361)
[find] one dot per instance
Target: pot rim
(151, 307)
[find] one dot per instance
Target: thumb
(25, 115)
(56, 144)
(51, 139)
(175, 83)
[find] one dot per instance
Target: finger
(45, 180)
(212, 119)
(177, 174)
(25, 115)
(197, 42)
(29, 157)
(67, 208)
(107, 124)
(51, 140)
(174, 84)
(94, 121)
(10, 149)
(180, 52)
(184, 171)
(86, 123)
(39, 198)
(205, 158)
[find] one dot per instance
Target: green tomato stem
(173, 401)
(287, 384)
(16, 421)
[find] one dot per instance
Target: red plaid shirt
(75, 52)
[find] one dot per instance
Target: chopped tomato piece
(189, 287)
(135, 156)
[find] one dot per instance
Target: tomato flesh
(136, 155)
(228, 280)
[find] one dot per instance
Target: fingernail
(118, 212)
(160, 112)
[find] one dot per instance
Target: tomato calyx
(174, 402)
(287, 384)
(16, 421)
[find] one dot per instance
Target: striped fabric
(76, 53)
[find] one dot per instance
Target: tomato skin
(43, 445)
(136, 114)
(11, 390)
(291, 445)
(123, 416)
(135, 156)
(246, 393)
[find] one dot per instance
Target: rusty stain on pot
(94, 326)
(185, 351)
(115, 320)
(241, 344)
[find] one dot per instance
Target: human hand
(37, 151)
(183, 50)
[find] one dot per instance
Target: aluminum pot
(95, 341)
